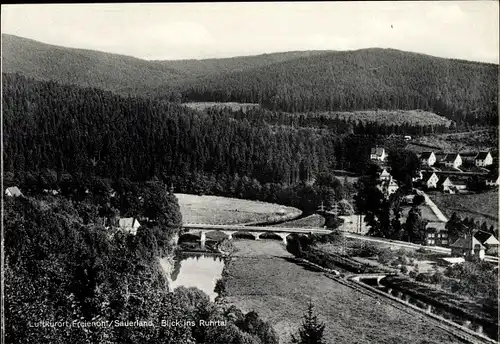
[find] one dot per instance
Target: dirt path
(434, 207)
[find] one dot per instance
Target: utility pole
(335, 209)
(321, 207)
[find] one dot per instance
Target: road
(433, 206)
(389, 242)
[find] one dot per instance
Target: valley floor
(262, 279)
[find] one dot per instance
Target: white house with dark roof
(378, 153)
(13, 191)
(428, 158)
(452, 160)
(384, 175)
(483, 159)
(445, 184)
(430, 180)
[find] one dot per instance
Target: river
(195, 270)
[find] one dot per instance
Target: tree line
(91, 132)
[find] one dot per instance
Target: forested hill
(366, 79)
(119, 73)
(81, 67)
(360, 80)
(85, 130)
(199, 68)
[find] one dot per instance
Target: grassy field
(223, 210)
(311, 221)
(200, 106)
(464, 141)
(482, 206)
(396, 117)
(262, 279)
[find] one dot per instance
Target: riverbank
(263, 278)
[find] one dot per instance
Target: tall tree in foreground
(312, 330)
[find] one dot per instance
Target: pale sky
(458, 29)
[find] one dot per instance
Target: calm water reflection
(199, 270)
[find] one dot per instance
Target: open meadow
(483, 139)
(481, 206)
(394, 117)
(200, 106)
(224, 210)
(262, 279)
(311, 221)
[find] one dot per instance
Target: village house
(378, 153)
(489, 241)
(430, 180)
(13, 191)
(452, 160)
(129, 225)
(459, 184)
(436, 234)
(388, 186)
(467, 246)
(445, 184)
(483, 159)
(493, 179)
(428, 158)
(385, 175)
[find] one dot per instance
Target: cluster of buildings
(475, 244)
(453, 180)
(455, 160)
(387, 184)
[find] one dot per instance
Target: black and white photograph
(250, 173)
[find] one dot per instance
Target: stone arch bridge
(255, 231)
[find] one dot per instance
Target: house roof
(483, 237)
(377, 150)
(426, 155)
(482, 155)
(14, 191)
(450, 157)
(469, 243)
(440, 156)
(438, 226)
